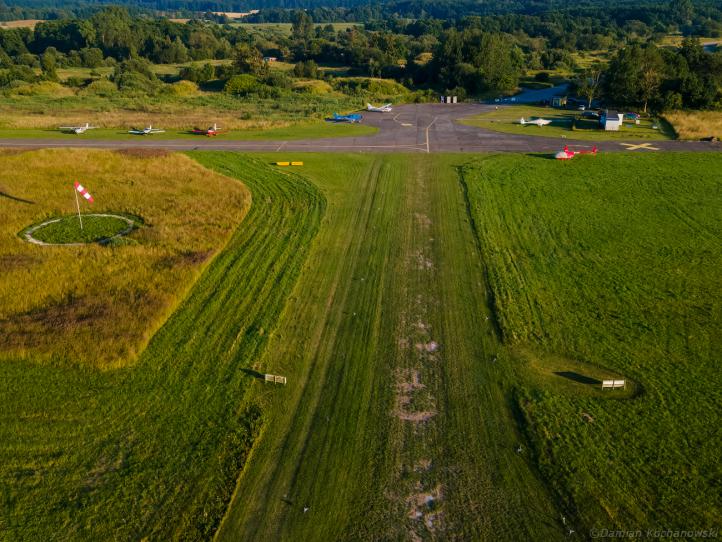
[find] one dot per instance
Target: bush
(277, 79)
(317, 88)
(542, 77)
(181, 88)
(241, 85)
(102, 87)
(43, 88)
(17, 73)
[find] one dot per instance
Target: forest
(474, 56)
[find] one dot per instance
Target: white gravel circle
(28, 234)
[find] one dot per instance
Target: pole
(77, 204)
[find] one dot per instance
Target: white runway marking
(428, 149)
(646, 146)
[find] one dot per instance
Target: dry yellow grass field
(21, 23)
(99, 305)
(696, 124)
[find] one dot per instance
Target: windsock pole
(77, 204)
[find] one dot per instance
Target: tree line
(469, 57)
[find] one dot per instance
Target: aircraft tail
(522, 121)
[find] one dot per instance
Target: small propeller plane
(210, 131)
(538, 122)
(352, 118)
(567, 154)
(146, 131)
(77, 129)
(386, 108)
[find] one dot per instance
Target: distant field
(696, 124)
(506, 119)
(285, 28)
(21, 23)
(675, 40)
(99, 305)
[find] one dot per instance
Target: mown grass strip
(154, 450)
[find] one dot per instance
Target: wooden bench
(613, 384)
(276, 379)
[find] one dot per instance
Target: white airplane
(386, 108)
(77, 129)
(146, 131)
(538, 122)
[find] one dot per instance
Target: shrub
(181, 88)
(43, 88)
(241, 85)
(317, 88)
(101, 87)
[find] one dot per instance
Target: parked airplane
(567, 154)
(146, 131)
(538, 122)
(210, 131)
(77, 129)
(386, 108)
(352, 118)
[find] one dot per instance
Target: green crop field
(444, 322)
(565, 123)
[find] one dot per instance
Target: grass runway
(443, 322)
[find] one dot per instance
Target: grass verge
(565, 124)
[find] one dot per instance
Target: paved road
(409, 128)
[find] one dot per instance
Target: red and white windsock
(80, 188)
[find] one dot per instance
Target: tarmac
(422, 128)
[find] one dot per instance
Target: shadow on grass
(254, 374)
(15, 198)
(576, 377)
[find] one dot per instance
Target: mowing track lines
(162, 442)
(274, 488)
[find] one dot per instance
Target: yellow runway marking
(646, 146)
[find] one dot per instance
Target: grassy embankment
(100, 305)
(506, 119)
(154, 450)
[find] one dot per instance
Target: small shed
(611, 120)
(559, 101)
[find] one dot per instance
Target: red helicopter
(210, 132)
(567, 154)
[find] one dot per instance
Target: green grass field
(81, 229)
(432, 314)
(299, 131)
(506, 119)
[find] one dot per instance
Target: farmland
(443, 322)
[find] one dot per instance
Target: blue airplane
(354, 117)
